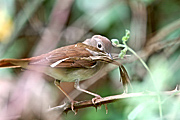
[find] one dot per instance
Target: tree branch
(88, 103)
(165, 31)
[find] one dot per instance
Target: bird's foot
(72, 107)
(94, 102)
(94, 99)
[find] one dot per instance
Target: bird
(72, 63)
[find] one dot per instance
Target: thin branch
(20, 22)
(165, 31)
(88, 103)
(53, 31)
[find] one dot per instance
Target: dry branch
(88, 103)
(165, 31)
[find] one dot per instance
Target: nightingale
(71, 63)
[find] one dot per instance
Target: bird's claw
(94, 102)
(94, 99)
(72, 107)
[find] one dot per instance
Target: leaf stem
(153, 79)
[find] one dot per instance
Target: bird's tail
(13, 63)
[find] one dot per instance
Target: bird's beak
(110, 56)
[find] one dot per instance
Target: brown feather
(71, 51)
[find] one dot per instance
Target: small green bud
(123, 53)
(127, 36)
(127, 33)
(124, 50)
(124, 38)
(115, 42)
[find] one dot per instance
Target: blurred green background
(33, 27)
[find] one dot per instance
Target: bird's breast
(72, 74)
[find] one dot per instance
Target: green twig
(153, 79)
(115, 42)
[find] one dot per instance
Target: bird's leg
(77, 86)
(57, 83)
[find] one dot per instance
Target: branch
(88, 103)
(165, 31)
(20, 21)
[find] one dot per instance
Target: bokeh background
(33, 27)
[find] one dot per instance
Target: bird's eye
(99, 45)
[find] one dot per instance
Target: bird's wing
(65, 57)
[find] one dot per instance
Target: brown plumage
(71, 51)
(67, 57)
